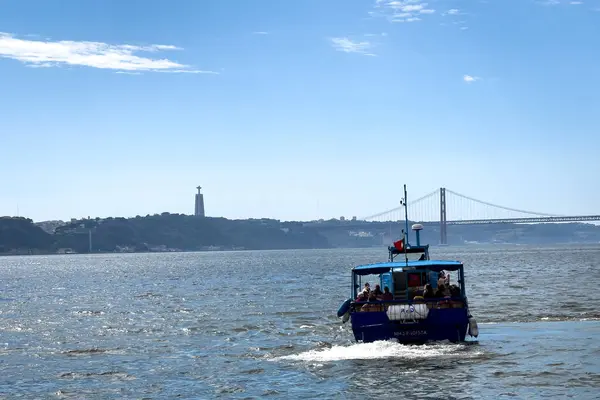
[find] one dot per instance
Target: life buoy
(344, 308)
(473, 329)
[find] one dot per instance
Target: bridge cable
(502, 207)
(401, 207)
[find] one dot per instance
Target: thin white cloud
(453, 13)
(401, 10)
(260, 33)
(563, 3)
(408, 7)
(348, 46)
(470, 79)
(122, 57)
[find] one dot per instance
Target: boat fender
(346, 317)
(344, 308)
(473, 330)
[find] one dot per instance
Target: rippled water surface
(263, 324)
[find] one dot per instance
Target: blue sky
(296, 110)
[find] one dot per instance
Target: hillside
(164, 232)
(183, 232)
(20, 236)
(178, 232)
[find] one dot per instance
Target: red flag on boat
(399, 245)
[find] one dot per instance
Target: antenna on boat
(406, 212)
(405, 231)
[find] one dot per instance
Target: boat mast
(405, 231)
(405, 213)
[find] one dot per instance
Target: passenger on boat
(362, 296)
(387, 295)
(454, 291)
(378, 291)
(367, 288)
(442, 291)
(428, 292)
(371, 306)
(441, 279)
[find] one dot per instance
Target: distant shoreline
(383, 248)
(166, 232)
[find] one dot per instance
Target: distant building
(199, 208)
(342, 218)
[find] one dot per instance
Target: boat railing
(383, 305)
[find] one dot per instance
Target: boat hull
(441, 324)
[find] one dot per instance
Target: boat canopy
(433, 265)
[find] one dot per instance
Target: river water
(263, 325)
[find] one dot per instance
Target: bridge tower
(443, 235)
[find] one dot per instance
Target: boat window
(415, 279)
(399, 290)
(372, 279)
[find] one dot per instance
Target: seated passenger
(441, 279)
(442, 291)
(454, 291)
(362, 296)
(455, 294)
(377, 291)
(428, 292)
(367, 288)
(371, 306)
(386, 296)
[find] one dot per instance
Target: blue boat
(416, 302)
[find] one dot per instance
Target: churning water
(263, 324)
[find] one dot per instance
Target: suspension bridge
(446, 207)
